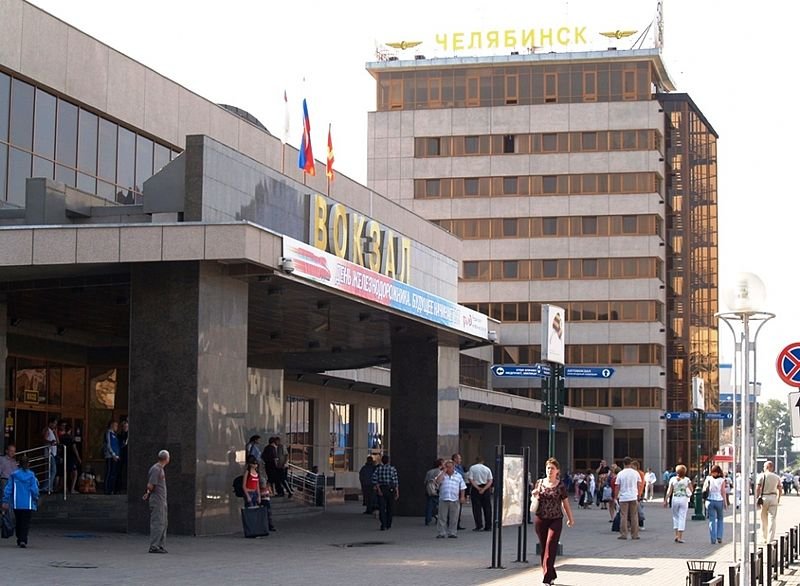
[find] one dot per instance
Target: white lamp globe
(745, 293)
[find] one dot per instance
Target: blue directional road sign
(521, 371)
(713, 415)
(728, 398)
(678, 415)
(590, 372)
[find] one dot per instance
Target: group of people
(61, 440)
(275, 459)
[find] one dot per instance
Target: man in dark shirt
(270, 458)
(367, 491)
(387, 487)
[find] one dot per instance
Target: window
(44, 134)
(473, 93)
(87, 151)
(341, 438)
(19, 169)
(589, 267)
(589, 86)
(508, 144)
(144, 161)
(550, 226)
(550, 269)
(299, 432)
(588, 225)
(396, 94)
(470, 269)
(107, 151)
(512, 87)
(549, 142)
(126, 161)
(549, 184)
(471, 185)
(376, 431)
(588, 141)
(510, 227)
(550, 87)
(21, 129)
(5, 102)
(432, 188)
(630, 224)
(67, 142)
(510, 269)
(471, 145)
(510, 186)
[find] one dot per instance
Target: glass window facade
(376, 431)
(341, 438)
(43, 135)
(299, 432)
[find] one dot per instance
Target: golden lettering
(374, 245)
(337, 230)
(563, 41)
(319, 234)
(546, 36)
(356, 244)
(475, 37)
(492, 39)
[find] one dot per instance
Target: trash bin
(700, 571)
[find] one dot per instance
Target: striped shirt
(451, 487)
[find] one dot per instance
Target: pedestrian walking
(22, 496)
(678, 493)
(387, 487)
(769, 491)
(156, 496)
(628, 484)
(649, 483)
(553, 505)
(365, 479)
(715, 487)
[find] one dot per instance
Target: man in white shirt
(627, 485)
(649, 482)
(480, 481)
(451, 494)
(770, 490)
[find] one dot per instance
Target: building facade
(556, 171)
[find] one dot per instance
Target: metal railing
(309, 486)
(41, 464)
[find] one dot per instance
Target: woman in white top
(680, 487)
(715, 487)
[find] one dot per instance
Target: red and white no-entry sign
(788, 364)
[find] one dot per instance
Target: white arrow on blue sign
(728, 398)
(521, 371)
(590, 372)
(713, 415)
(677, 415)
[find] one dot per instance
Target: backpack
(238, 486)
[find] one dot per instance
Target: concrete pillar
(188, 390)
(608, 446)
(424, 413)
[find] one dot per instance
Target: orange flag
(329, 170)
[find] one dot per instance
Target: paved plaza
(344, 546)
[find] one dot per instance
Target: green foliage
(771, 416)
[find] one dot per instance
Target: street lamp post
(744, 301)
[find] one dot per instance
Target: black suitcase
(615, 524)
(254, 522)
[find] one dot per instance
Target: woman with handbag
(22, 495)
(680, 488)
(550, 503)
(715, 494)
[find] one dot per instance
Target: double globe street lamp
(745, 300)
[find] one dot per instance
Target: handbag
(535, 499)
(760, 500)
(7, 525)
(706, 488)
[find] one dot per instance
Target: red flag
(329, 169)
(306, 159)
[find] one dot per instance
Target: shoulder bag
(760, 500)
(535, 499)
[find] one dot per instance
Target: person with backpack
(22, 495)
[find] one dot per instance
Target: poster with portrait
(553, 333)
(513, 491)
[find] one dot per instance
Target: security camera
(493, 337)
(287, 265)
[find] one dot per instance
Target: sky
(733, 59)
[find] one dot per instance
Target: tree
(774, 415)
